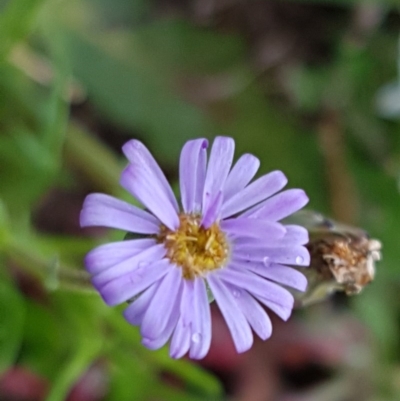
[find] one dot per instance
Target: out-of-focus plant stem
(49, 270)
(343, 193)
(91, 158)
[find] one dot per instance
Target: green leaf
(72, 369)
(127, 338)
(12, 316)
(83, 340)
(21, 100)
(147, 384)
(26, 169)
(43, 343)
(16, 21)
(130, 95)
(376, 308)
(194, 376)
(123, 367)
(54, 128)
(4, 225)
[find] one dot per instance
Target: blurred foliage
(164, 74)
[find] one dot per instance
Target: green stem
(75, 366)
(53, 274)
(93, 159)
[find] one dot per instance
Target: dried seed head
(342, 258)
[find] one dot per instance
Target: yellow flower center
(193, 248)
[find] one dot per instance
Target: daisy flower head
(225, 239)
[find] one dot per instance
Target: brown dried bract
(342, 258)
(345, 255)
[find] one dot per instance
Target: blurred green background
(310, 87)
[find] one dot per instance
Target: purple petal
(162, 305)
(255, 314)
(180, 341)
(241, 174)
(257, 286)
(254, 228)
(186, 306)
(166, 334)
(107, 211)
(140, 157)
(200, 180)
(193, 330)
(141, 259)
(135, 311)
(217, 170)
(104, 256)
(294, 255)
(235, 320)
(295, 235)
(212, 213)
(278, 273)
(291, 255)
(201, 326)
(283, 311)
(191, 173)
(142, 186)
(254, 193)
(128, 286)
(280, 206)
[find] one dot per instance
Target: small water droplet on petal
(266, 261)
(299, 260)
(236, 293)
(196, 338)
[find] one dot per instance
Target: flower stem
(50, 271)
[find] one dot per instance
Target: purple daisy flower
(226, 240)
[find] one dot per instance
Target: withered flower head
(342, 257)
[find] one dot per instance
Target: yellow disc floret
(195, 249)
